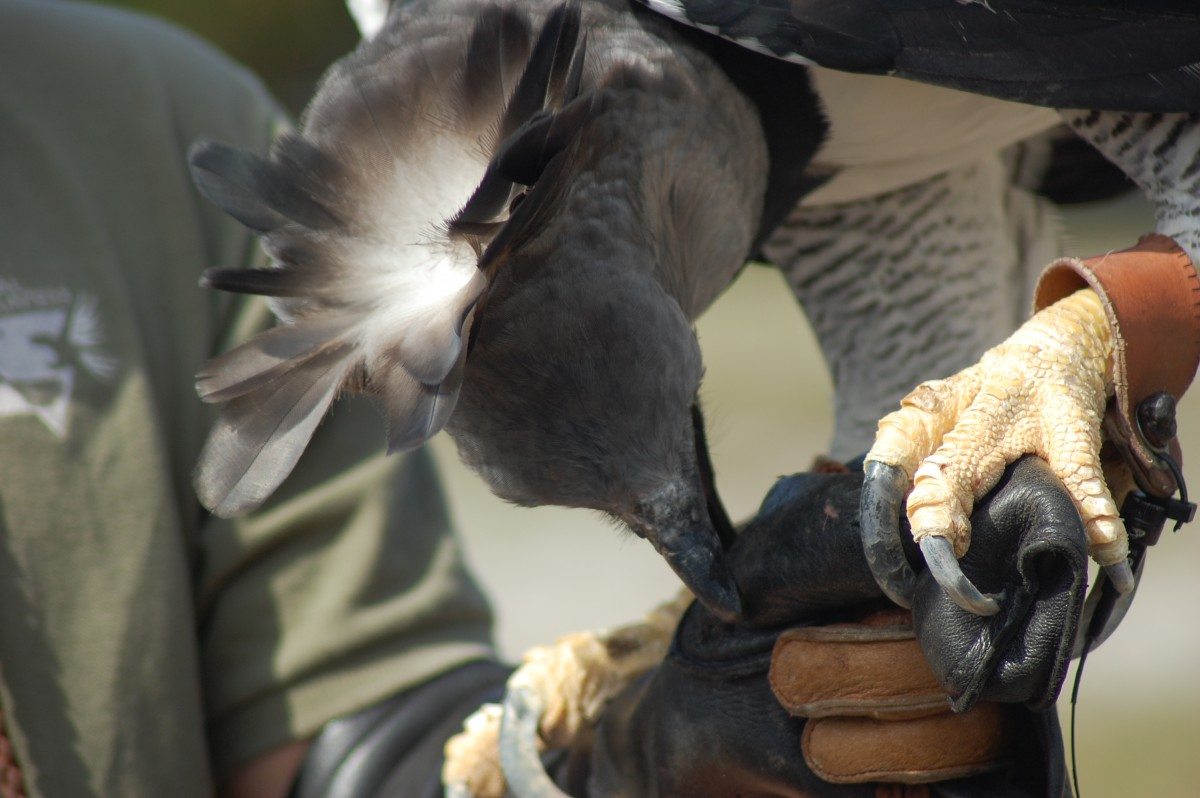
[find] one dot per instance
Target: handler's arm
(268, 775)
(348, 586)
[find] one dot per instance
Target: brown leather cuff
(876, 711)
(1151, 295)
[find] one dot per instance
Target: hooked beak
(677, 524)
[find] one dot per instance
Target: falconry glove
(824, 691)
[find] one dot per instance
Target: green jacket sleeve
(143, 643)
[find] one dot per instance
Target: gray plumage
(503, 217)
(560, 207)
(356, 236)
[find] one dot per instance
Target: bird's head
(581, 391)
(580, 386)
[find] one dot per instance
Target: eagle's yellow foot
(559, 690)
(1043, 391)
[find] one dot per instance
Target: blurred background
(767, 396)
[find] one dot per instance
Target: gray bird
(509, 235)
(506, 234)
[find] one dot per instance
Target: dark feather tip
(261, 282)
(546, 70)
(260, 194)
(524, 157)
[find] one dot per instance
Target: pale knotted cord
(565, 688)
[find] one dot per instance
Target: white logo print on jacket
(46, 336)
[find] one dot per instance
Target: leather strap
(876, 711)
(1151, 295)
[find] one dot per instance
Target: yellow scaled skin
(1043, 391)
(576, 677)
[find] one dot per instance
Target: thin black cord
(1074, 698)
(1178, 475)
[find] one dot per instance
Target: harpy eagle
(502, 218)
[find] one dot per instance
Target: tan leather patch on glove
(876, 712)
(849, 750)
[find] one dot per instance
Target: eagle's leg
(904, 286)
(1159, 152)
(1042, 391)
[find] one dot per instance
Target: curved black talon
(883, 491)
(1121, 576)
(939, 556)
(1104, 610)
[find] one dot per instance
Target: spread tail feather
(264, 357)
(259, 436)
(416, 410)
(376, 218)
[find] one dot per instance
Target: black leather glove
(1027, 541)
(706, 722)
(394, 748)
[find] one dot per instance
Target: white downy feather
(369, 15)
